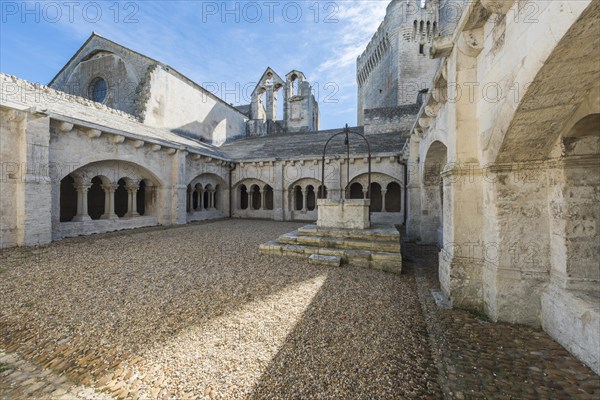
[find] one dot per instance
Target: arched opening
(196, 197)
(216, 197)
(255, 197)
(356, 191)
(311, 202)
(121, 199)
(322, 192)
(268, 193)
(414, 34)
(140, 198)
(299, 198)
(295, 85)
(206, 197)
(575, 207)
(96, 199)
(376, 200)
(243, 197)
(393, 197)
(68, 199)
(432, 203)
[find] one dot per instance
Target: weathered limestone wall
(284, 176)
(177, 105)
(520, 216)
(124, 71)
(24, 142)
(394, 119)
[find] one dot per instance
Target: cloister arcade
(95, 197)
(386, 196)
(206, 197)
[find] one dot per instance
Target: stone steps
(340, 242)
(377, 248)
(328, 261)
(379, 233)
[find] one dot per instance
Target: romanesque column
(200, 199)
(191, 200)
(132, 201)
(262, 199)
(365, 192)
(250, 206)
(304, 198)
(383, 192)
(109, 206)
(211, 199)
(82, 202)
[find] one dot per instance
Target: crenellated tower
(395, 67)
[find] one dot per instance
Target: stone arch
(393, 197)
(243, 197)
(96, 197)
(96, 184)
(432, 197)
(121, 198)
(250, 193)
(356, 191)
(209, 190)
(532, 129)
(380, 201)
(575, 207)
(68, 199)
(268, 193)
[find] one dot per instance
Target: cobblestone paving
(21, 379)
(478, 359)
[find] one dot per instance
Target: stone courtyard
(197, 312)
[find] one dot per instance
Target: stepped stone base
(329, 261)
(376, 248)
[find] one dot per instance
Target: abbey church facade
(484, 133)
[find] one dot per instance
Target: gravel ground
(198, 312)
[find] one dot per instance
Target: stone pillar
(211, 199)
(263, 204)
(250, 200)
(191, 200)
(304, 199)
(365, 192)
(200, 199)
(132, 201)
(109, 201)
(82, 202)
(383, 192)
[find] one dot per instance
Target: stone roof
(310, 144)
(83, 112)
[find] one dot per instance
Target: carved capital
(156, 147)
(138, 143)
(110, 187)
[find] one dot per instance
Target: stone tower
(396, 65)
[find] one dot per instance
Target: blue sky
(222, 45)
